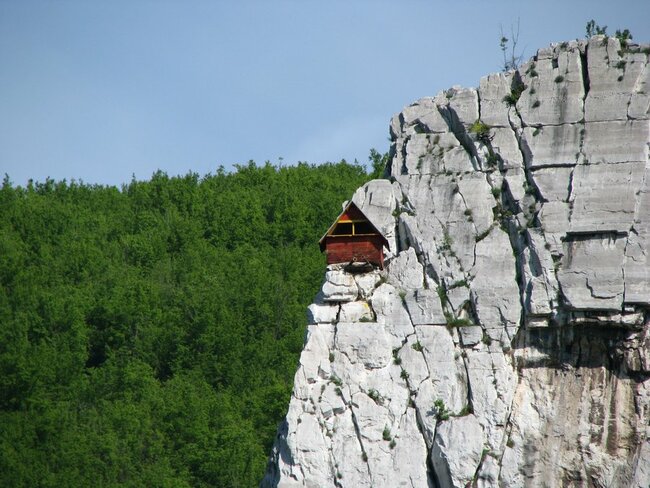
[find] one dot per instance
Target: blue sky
(99, 91)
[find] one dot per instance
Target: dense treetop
(149, 334)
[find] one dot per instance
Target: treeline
(149, 335)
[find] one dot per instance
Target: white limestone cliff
(507, 341)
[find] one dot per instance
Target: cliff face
(507, 342)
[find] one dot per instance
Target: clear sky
(99, 91)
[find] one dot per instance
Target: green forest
(149, 334)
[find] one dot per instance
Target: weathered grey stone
(367, 282)
(607, 106)
(405, 272)
(637, 270)
(642, 468)
(457, 297)
(573, 448)
(463, 105)
(591, 274)
(540, 283)
(555, 90)
(553, 184)
(553, 145)
(339, 286)
(448, 243)
(426, 112)
(492, 90)
(390, 309)
(435, 153)
(494, 288)
(554, 219)
(639, 107)
(409, 446)
(475, 191)
(515, 184)
(637, 264)
(605, 197)
(424, 307)
(330, 403)
(446, 370)
(616, 141)
(358, 311)
(606, 318)
(470, 335)
(421, 149)
(457, 450)
(314, 361)
(506, 145)
(615, 78)
(411, 355)
(488, 475)
(311, 453)
(492, 382)
(321, 312)
(369, 342)
(346, 447)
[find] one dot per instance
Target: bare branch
(511, 59)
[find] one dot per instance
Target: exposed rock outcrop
(507, 341)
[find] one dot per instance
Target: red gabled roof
(349, 211)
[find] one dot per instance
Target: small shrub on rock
(481, 130)
(441, 410)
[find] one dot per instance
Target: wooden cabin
(352, 238)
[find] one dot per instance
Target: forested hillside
(149, 335)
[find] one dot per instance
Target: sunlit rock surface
(507, 342)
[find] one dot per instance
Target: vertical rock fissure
(428, 270)
(424, 358)
(398, 232)
(570, 189)
(520, 140)
(448, 251)
(507, 430)
(637, 205)
(627, 241)
(639, 87)
(357, 432)
(432, 478)
(334, 467)
(470, 399)
(459, 132)
(467, 208)
(430, 472)
(518, 242)
(585, 75)
(513, 238)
